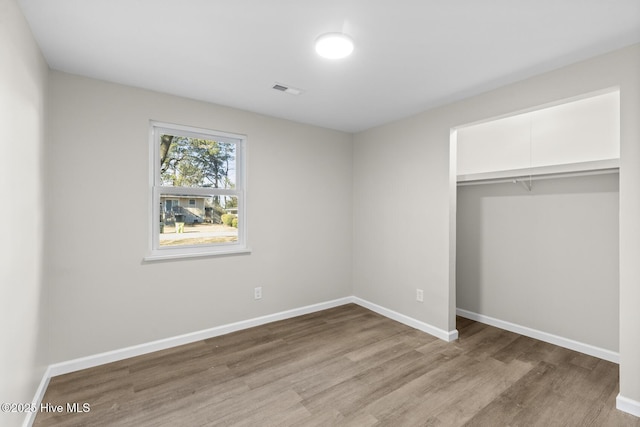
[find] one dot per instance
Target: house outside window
(197, 192)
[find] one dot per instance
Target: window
(197, 192)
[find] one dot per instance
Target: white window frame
(155, 252)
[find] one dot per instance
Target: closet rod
(522, 178)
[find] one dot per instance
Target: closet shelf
(595, 167)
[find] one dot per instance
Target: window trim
(155, 252)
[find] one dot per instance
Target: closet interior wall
(546, 259)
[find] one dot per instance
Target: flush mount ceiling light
(334, 45)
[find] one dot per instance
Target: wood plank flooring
(346, 366)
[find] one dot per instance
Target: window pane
(209, 220)
(187, 161)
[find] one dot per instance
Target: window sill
(163, 256)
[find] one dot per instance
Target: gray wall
(103, 297)
(401, 218)
(545, 259)
(404, 229)
(23, 78)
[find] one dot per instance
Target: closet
(537, 223)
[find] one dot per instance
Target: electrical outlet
(257, 293)
(419, 295)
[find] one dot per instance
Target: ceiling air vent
(287, 89)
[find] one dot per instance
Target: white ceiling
(410, 55)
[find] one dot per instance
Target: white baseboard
(138, 350)
(591, 350)
(37, 399)
(627, 405)
(409, 321)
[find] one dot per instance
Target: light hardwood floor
(347, 366)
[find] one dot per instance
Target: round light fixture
(334, 45)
